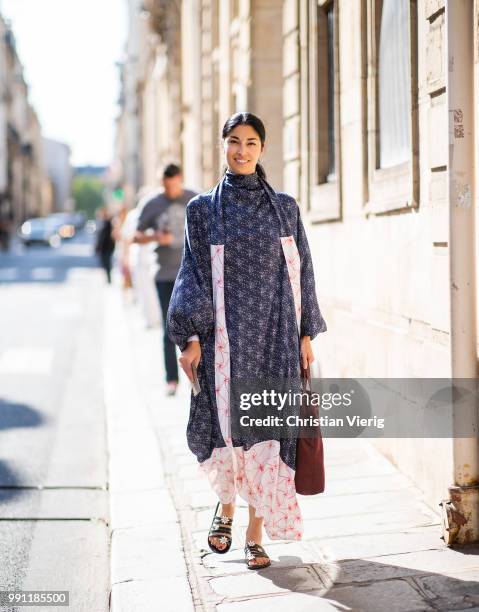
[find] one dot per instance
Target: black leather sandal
(220, 528)
(254, 551)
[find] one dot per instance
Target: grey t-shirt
(162, 213)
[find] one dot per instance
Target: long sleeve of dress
(191, 305)
(312, 322)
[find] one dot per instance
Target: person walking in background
(140, 259)
(121, 248)
(162, 220)
(244, 306)
(105, 244)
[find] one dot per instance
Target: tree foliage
(88, 194)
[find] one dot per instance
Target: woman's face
(242, 148)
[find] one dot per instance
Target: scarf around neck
(248, 182)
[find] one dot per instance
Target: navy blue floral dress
(246, 287)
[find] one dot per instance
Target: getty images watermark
(355, 407)
(270, 398)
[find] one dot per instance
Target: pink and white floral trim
(293, 262)
(258, 475)
(222, 347)
(263, 480)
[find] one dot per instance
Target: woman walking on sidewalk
(244, 305)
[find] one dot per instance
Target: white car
(40, 230)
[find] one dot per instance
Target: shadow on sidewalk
(14, 415)
(358, 584)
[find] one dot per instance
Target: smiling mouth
(241, 161)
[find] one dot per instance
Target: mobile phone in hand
(195, 384)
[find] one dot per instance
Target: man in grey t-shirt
(162, 220)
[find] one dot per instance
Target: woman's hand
(307, 355)
(190, 356)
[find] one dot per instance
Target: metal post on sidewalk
(461, 510)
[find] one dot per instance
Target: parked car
(40, 230)
(79, 220)
(90, 226)
(66, 223)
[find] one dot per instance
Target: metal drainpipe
(461, 510)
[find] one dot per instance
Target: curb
(148, 567)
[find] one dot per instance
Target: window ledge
(391, 189)
(325, 204)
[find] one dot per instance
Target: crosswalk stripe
(8, 274)
(42, 273)
(26, 360)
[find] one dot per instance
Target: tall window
(327, 91)
(392, 105)
(394, 84)
(331, 72)
(324, 109)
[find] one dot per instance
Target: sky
(68, 49)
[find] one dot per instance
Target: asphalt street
(54, 526)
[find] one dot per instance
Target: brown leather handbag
(309, 477)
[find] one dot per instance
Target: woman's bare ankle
(227, 510)
(256, 536)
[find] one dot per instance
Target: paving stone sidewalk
(370, 544)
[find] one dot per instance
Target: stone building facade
(354, 96)
(148, 125)
(23, 179)
(60, 174)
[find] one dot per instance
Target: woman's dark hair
(247, 119)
